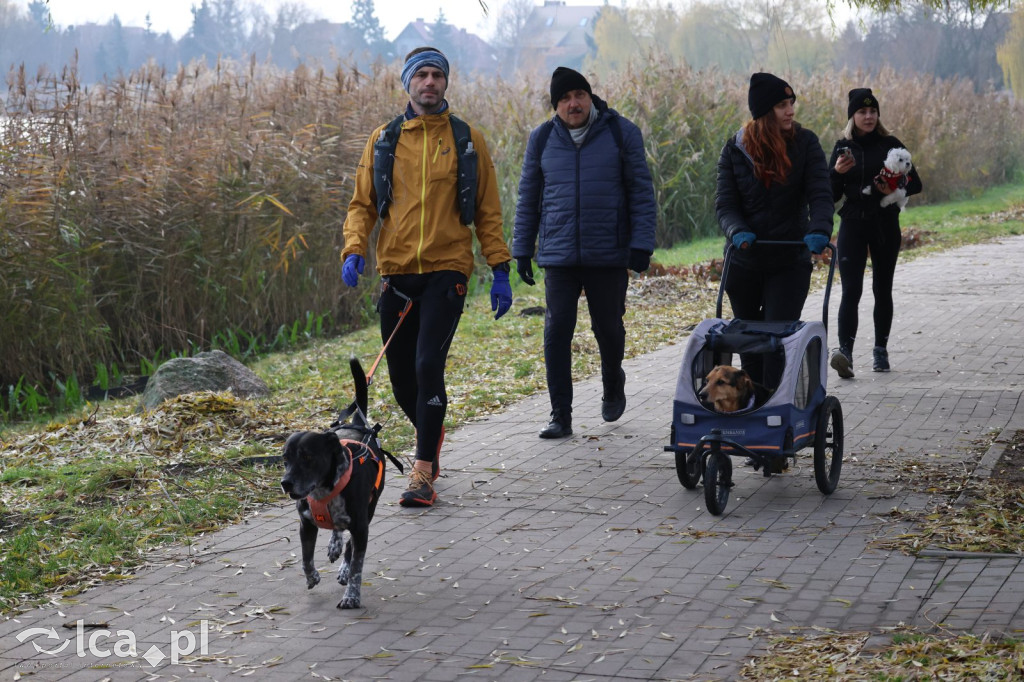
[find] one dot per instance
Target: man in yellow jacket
(409, 178)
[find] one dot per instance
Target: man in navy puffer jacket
(586, 206)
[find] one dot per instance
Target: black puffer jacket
(781, 212)
(869, 151)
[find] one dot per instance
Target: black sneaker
(560, 426)
(842, 363)
(613, 403)
(881, 359)
(420, 492)
(611, 410)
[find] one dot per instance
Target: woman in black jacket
(865, 226)
(772, 186)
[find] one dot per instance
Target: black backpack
(384, 166)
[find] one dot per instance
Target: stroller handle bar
(828, 285)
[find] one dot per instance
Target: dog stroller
(780, 420)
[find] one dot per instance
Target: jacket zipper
(423, 199)
(579, 231)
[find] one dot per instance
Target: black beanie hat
(860, 98)
(766, 90)
(565, 79)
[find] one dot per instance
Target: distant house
(557, 35)
(105, 50)
(467, 51)
(322, 40)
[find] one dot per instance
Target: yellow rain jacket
(422, 232)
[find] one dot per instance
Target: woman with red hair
(773, 185)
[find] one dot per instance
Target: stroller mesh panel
(809, 377)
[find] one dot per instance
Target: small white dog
(894, 174)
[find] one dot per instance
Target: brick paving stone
(537, 547)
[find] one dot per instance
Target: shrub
(161, 213)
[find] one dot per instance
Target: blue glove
(352, 268)
(501, 293)
(816, 242)
(742, 240)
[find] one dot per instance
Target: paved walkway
(586, 559)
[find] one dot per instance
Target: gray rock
(210, 371)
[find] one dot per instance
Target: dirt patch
(1010, 467)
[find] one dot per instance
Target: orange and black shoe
(420, 492)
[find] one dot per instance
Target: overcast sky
(176, 15)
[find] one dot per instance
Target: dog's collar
(748, 406)
(318, 506)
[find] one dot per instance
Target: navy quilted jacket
(586, 206)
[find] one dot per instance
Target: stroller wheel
(688, 467)
(717, 482)
(828, 445)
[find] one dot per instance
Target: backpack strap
(542, 136)
(384, 167)
(384, 164)
(467, 169)
(615, 126)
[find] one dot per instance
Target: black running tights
(419, 351)
(857, 239)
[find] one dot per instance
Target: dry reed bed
(146, 215)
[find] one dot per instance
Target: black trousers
(767, 295)
(881, 236)
(606, 299)
(418, 353)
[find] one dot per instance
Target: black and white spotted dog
(336, 477)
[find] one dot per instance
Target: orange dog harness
(318, 507)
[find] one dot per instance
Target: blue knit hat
(417, 61)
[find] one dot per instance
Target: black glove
(639, 260)
(525, 269)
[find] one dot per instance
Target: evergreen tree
(444, 36)
(40, 12)
(364, 19)
(118, 54)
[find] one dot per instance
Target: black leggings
(856, 237)
(772, 296)
(418, 353)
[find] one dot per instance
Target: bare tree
(508, 31)
(957, 42)
(895, 6)
(292, 14)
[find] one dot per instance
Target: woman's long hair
(848, 131)
(766, 142)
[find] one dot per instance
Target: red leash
(401, 318)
